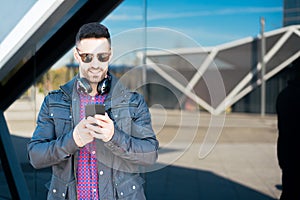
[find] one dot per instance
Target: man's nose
(95, 62)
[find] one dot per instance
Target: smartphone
(93, 109)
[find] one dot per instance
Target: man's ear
(76, 55)
(111, 54)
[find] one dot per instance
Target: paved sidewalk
(242, 164)
(199, 158)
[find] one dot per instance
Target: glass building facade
(291, 12)
(171, 53)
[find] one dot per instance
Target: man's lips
(95, 72)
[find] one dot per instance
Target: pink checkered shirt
(87, 168)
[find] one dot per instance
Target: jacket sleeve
(140, 146)
(46, 148)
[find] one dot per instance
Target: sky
(208, 22)
(182, 23)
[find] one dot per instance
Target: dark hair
(93, 30)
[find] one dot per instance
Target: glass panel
(12, 11)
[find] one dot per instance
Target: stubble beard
(95, 79)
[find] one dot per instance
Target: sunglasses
(88, 57)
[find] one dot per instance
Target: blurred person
(99, 156)
(288, 117)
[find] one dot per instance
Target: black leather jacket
(132, 148)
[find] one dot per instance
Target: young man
(98, 156)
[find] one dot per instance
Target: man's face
(89, 50)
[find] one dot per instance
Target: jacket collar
(68, 87)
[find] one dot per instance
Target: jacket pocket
(61, 115)
(59, 189)
(131, 188)
(124, 115)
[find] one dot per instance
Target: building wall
(291, 12)
(251, 103)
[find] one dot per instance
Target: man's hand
(81, 133)
(104, 128)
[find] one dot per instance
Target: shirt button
(94, 190)
(63, 194)
(51, 114)
(101, 172)
(133, 187)
(54, 190)
(94, 152)
(121, 193)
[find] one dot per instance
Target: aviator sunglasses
(88, 57)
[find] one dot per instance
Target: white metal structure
(25, 29)
(220, 76)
